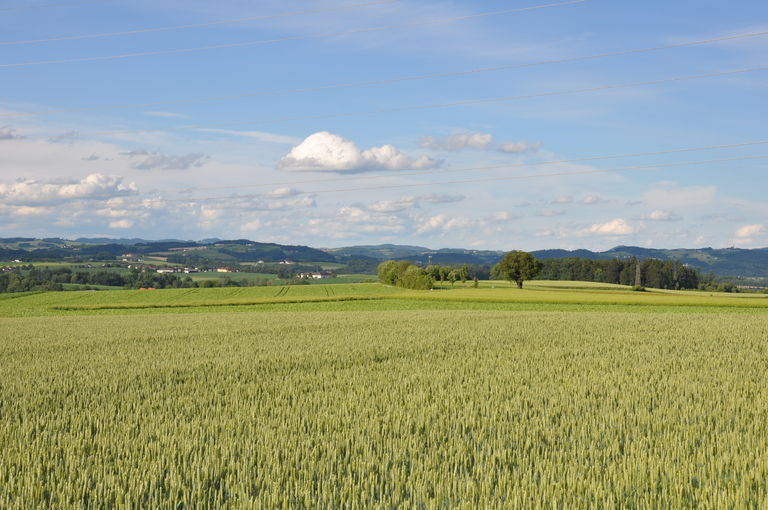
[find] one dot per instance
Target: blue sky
(138, 154)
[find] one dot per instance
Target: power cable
(475, 180)
(388, 80)
(197, 25)
(466, 169)
(59, 4)
(292, 38)
(467, 102)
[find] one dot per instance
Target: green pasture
(565, 296)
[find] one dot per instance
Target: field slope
(557, 396)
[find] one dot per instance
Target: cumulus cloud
(661, 215)
(441, 198)
(284, 205)
(403, 203)
(519, 147)
(153, 160)
(94, 186)
(254, 225)
(562, 200)
(442, 222)
(750, 231)
(500, 216)
(457, 142)
(327, 152)
(591, 200)
(283, 193)
(665, 193)
(617, 227)
(393, 205)
(121, 224)
(550, 213)
(24, 210)
(8, 133)
(260, 136)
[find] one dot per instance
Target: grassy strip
(206, 304)
(751, 303)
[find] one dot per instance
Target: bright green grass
(398, 409)
(565, 296)
(212, 275)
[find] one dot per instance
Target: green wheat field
(561, 395)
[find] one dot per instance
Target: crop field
(560, 395)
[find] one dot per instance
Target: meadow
(560, 395)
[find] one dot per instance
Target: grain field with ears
(385, 409)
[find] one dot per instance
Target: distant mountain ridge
(733, 262)
(723, 261)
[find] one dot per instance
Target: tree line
(655, 273)
(46, 279)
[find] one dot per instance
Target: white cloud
(519, 147)
(458, 142)
(153, 160)
(617, 227)
(408, 202)
(442, 222)
(393, 205)
(94, 186)
(501, 216)
(284, 192)
(661, 215)
(562, 200)
(327, 152)
(121, 224)
(24, 210)
(284, 205)
(7, 133)
(254, 225)
(550, 213)
(257, 135)
(592, 200)
(750, 231)
(441, 198)
(665, 193)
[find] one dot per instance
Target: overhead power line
(58, 4)
(474, 180)
(387, 81)
(390, 175)
(198, 25)
(292, 38)
(467, 102)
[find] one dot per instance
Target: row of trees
(516, 266)
(659, 274)
(519, 266)
(55, 279)
(403, 273)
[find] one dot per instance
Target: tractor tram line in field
(372, 396)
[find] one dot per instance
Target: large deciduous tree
(518, 266)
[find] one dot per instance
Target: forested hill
(233, 251)
(723, 262)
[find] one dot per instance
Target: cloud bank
(327, 152)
